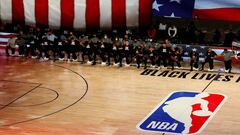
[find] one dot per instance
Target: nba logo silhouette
(183, 113)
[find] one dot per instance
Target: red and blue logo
(183, 113)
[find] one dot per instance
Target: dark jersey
(209, 55)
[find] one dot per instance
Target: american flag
(205, 9)
(78, 14)
(187, 49)
(4, 37)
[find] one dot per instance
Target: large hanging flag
(78, 14)
(227, 10)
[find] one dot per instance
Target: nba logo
(183, 113)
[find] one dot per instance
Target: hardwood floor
(46, 98)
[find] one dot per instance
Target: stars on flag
(201, 54)
(172, 16)
(190, 48)
(194, 49)
(156, 5)
(173, 8)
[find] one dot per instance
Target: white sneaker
(34, 57)
(196, 69)
(210, 69)
(61, 59)
(89, 62)
(127, 65)
(103, 63)
(115, 64)
(46, 59)
(75, 60)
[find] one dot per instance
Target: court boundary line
(55, 112)
(38, 104)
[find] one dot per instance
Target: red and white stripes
(4, 37)
(78, 14)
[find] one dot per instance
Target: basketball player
(11, 45)
(127, 52)
(175, 56)
(209, 57)
(44, 52)
(60, 50)
(152, 55)
(102, 53)
(108, 47)
(21, 43)
(94, 43)
(51, 37)
(33, 47)
(114, 53)
(38, 39)
(84, 43)
(227, 59)
(139, 55)
(120, 53)
(163, 55)
(194, 59)
(72, 56)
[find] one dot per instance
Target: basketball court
(45, 98)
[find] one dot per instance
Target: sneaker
(46, 59)
(75, 60)
(89, 62)
(210, 69)
(103, 63)
(195, 69)
(127, 65)
(61, 59)
(34, 57)
(226, 71)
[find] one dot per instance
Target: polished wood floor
(45, 98)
